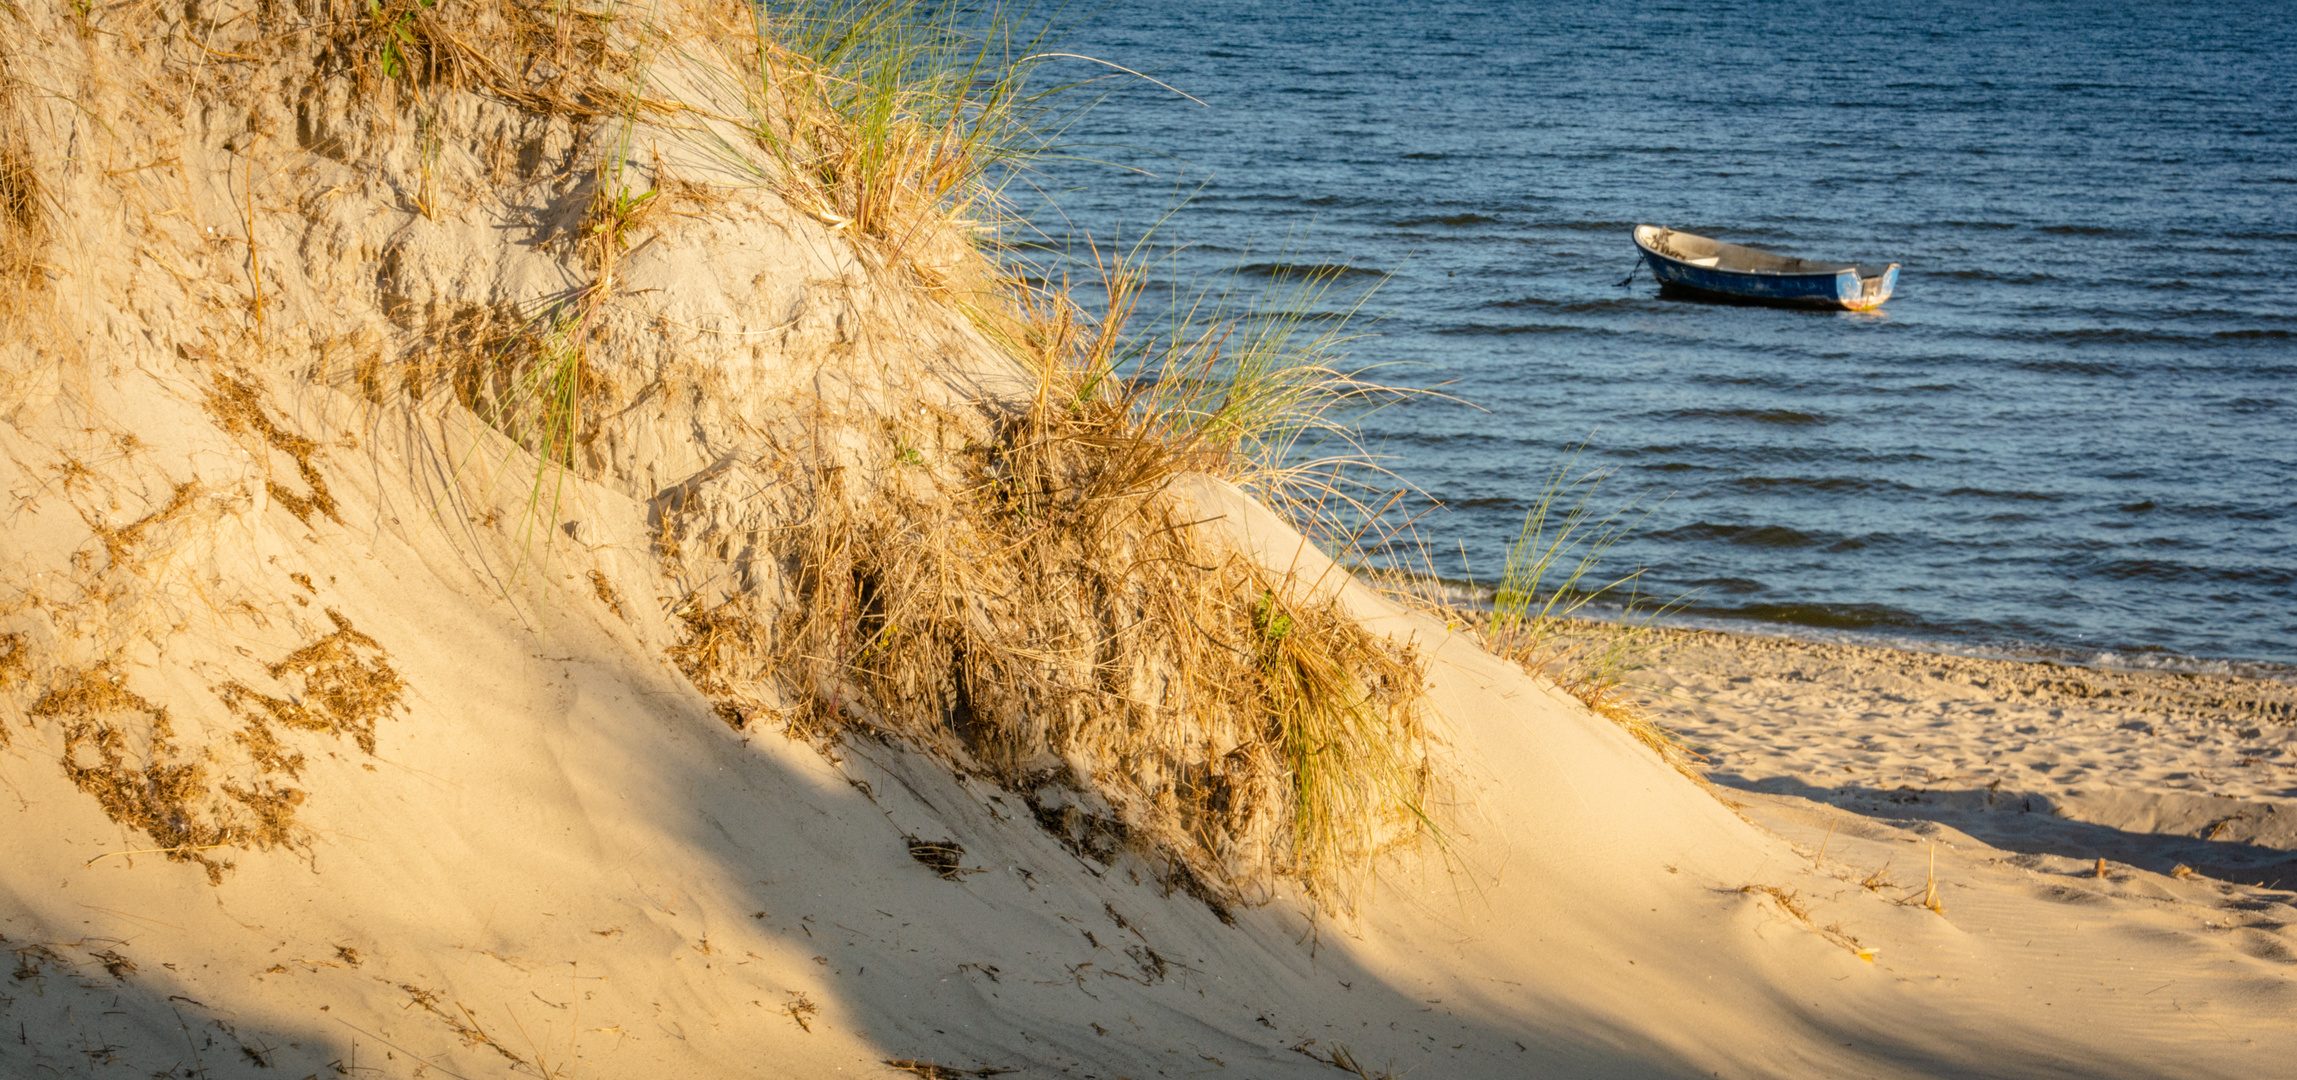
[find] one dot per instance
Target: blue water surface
(2073, 429)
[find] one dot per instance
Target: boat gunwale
(1832, 269)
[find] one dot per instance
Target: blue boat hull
(1838, 286)
(1843, 290)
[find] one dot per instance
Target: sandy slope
(561, 863)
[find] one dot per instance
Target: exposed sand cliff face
(333, 738)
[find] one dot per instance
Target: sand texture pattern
(392, 610)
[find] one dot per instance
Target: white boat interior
(1707, 252)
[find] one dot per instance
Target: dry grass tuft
(561, 58)
(1791, 903)
(932, 1071)
(1339, 1057)
(1878, 880)
(13, 663)
(946, 858)
(461, 1021)
(23, 201)
(119, 542)
(719, 655)
(604, 590)
(1037, 608)
(889, 120)
(1546, 583)
(801, 1009)
(1788, 900)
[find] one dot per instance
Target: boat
(1687, 264)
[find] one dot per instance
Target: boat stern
(1864, 293)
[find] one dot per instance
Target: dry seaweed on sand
(148, 786)
(942, 1072)
(125, 751)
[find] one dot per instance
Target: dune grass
(1048, 614)
(24, 205)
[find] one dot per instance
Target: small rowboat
(1693, 265)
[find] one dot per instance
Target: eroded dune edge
(529, 554)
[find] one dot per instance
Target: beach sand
(2148, 769)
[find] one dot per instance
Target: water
(2073, 430)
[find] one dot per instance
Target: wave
(1449, 219)
(1785, 417)
(1764, 536)
(1831, 485)
(1487, 330)
(2018, 496)
(1972, 273)
(2089, 230)
(1834, 616)
(1676, 466)
(1590, 226)
(1307, 270)
(2158, 570)
(2074, 367)
(1574, 306)
(2099, 335)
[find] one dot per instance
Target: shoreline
(2132, 659)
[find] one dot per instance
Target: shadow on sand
(2033, 823)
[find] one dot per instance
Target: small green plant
(616, 211)
(1274, 625)
(397, 29)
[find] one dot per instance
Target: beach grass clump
(1262, 385)
(1039, 608)
(1550, 576)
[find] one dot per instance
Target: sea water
(2073, 430)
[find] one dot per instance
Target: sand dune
(346, 735)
